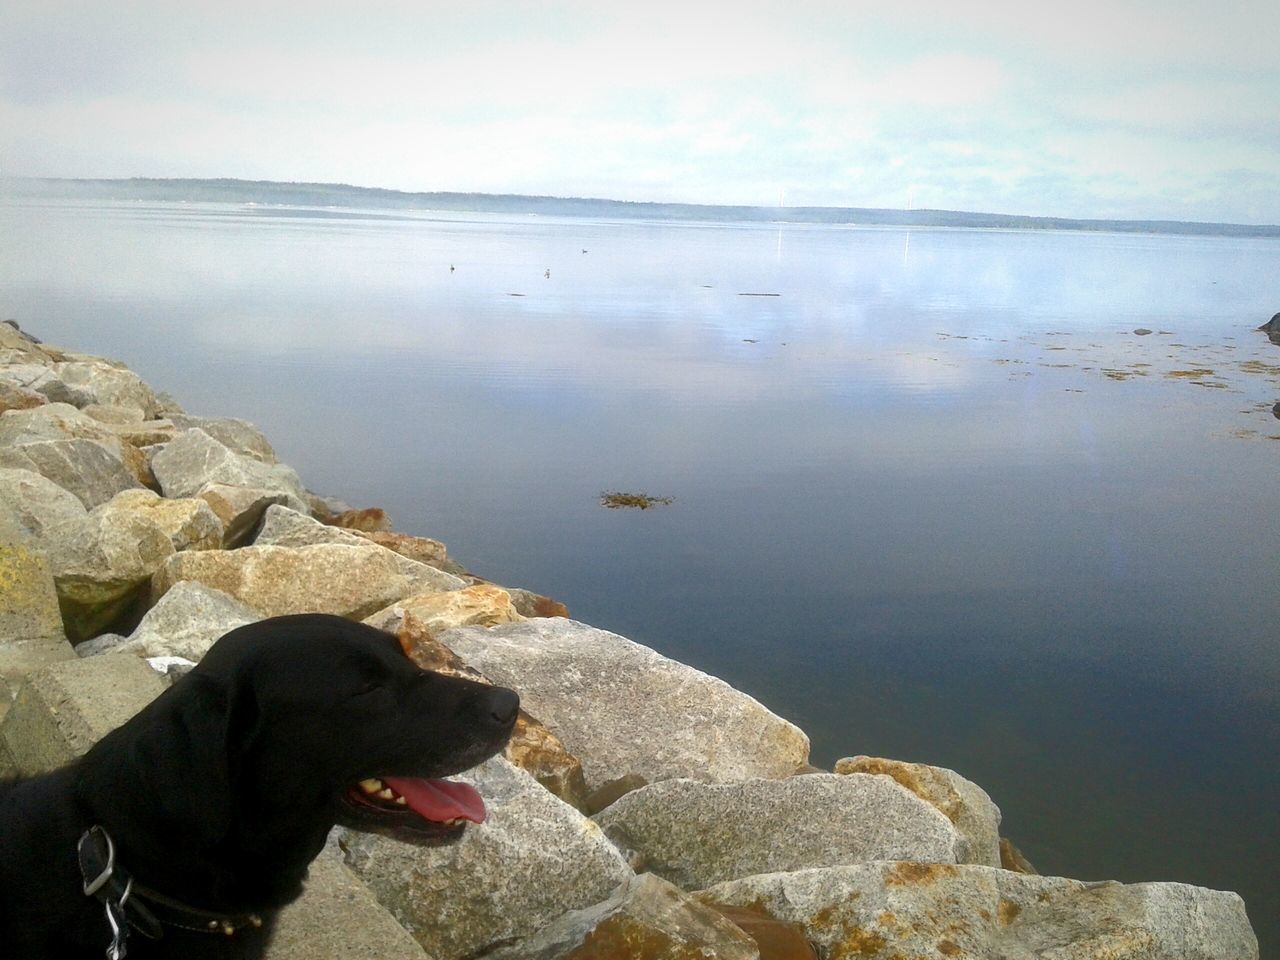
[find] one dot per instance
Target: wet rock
(623, 708)
(532, 860)
(184, 623)
(885, 910)
(646, 918)
(194, 459)
(290, 528)
(698, 834)
(86, 468)
(1272, 328)
(961, 801)
(350, 582)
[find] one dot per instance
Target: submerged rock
(698, 834)
(888, 910)
(623, 708)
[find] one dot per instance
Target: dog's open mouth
(425, 811)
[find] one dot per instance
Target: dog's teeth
(402, 801)
(386, 794)
(371, 786)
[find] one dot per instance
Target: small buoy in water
(548, 273)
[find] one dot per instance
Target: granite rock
(963, 802)
(697, 834)
(91, 470)
(532, 860)
(886, 910)
(351, 582)
(184, 623)
(623, 708)
(646, 918)
(193, 459)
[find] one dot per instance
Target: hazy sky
(1113, 108)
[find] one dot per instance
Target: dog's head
(325, 712)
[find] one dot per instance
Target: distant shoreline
(346, 196)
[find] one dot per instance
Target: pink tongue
(439, 800)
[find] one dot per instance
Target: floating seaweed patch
(639, 501)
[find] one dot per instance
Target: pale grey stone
(534, 858)
(623, 708)
(34, 507)
(89, 469)
(696, 834)
(282, 527)
(963, 802)
(194, 459)
(87, 380)
(185, 622)
(241, 508)
(65, 708)
(645, 910)
(337, 918)
(239, 436)
(920, 909)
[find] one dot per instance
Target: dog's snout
(499, 706)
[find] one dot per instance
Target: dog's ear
(174, 766)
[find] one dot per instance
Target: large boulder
(239, 436)
(418, 619)
(963, 802)
(103, 567)
(480, 605)
(64, 708)
(646, 918)
(697, 834)
(33, 507)
(193, 459)
(189, 523)
(81, 382)
(532, 860)
(240, 509)
(884, 910)
(14, 397)
(351, 582)
(622, 708)
(31, 633)
(185, 623)
(93, 471)
(283, 527)
(337, 918)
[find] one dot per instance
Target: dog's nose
(498, 705)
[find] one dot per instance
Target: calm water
(935, 500)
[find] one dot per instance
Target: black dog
(213, 800)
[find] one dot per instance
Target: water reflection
(945, 505)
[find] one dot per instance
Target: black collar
(132, 905)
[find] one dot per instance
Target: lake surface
(935, 500)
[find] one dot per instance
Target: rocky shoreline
(643, 809)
